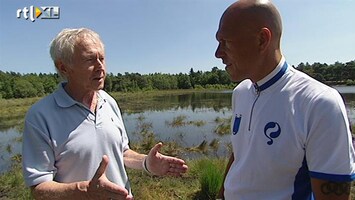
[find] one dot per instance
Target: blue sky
(170, 36)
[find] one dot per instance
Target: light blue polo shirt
(64, 141)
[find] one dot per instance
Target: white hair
(62, 46)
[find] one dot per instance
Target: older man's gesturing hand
(101, 188)
(159, 164)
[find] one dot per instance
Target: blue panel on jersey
(302, 184)
(236, 124)
(332, 177)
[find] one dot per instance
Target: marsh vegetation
(183, 120)
(191, 124)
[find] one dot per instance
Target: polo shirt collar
(101, 98)
(62, 97)
(273, 77)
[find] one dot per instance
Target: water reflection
(349, 100)
(10, 145)
(188, 132)
(190, 101)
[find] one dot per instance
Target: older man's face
(88, 69)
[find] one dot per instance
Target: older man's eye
(90, 59)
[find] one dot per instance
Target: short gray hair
(62, 46)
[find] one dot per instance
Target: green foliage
(143, 185)
(223, 125)
(350, 82)
(12, 112)
(49, 84)
(210, 174)
(12, 185)
(184, 81)
(23, 88)
(15, 85)
(335, 74)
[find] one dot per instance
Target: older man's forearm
(133, 159)
(54, 190)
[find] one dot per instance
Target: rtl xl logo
(42, 12)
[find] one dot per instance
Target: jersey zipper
(252, 108)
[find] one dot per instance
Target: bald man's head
(249, 37)
(252, 15)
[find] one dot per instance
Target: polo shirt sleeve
(117, 111)
(329, 149)
(37, 155)
(125, 141)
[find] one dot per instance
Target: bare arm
(330, 190)
(98, 187)
(155, 162)
(55, 190)
(133, 159)
(221, 191)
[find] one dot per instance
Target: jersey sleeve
(329, 149)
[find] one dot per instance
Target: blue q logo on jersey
(272, 130)
(236, 124)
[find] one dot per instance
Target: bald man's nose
(218, 52)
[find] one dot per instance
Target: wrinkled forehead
(89, 45)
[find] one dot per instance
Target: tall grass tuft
(177, 121)
(210, 177)
(223, 126)
(12, 185)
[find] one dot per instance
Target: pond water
(200, 115)
(198, 111)
(348, 94)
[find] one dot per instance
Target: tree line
(335, 74)
(16, 85)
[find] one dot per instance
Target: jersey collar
(273, 77)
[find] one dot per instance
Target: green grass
(12, 112)
(223, 126)
(177, 121)
(192, 185)
(211, 172)
(181, 120)
(136, 102)
(12, 185)
(200, 183)
(147, 187)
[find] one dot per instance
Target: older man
(291, 137)
(75, 144)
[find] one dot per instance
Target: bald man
(290, 133)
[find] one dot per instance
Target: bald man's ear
(264, 39)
